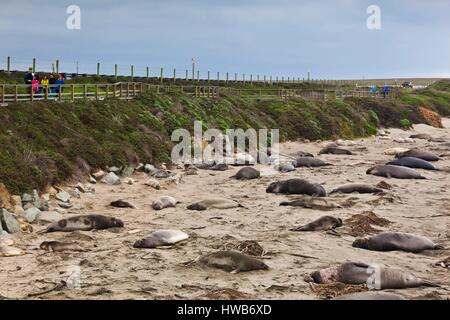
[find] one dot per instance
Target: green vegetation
(45, 143)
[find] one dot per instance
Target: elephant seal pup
(395, 151)
(397, 241)
(153, 183)
(164, 202)
(390, 171)
(334, 150)
(122, 204)
(412, 162)
(161, 238)
(297, 186)
(356, 187)
(85, 223)
(357, 273)
(216, 203)
(323, 223)
(310, 162)
(424, 136)
(247, 173)
(232, 261)
(285, 167)
(370, 295)
(416, 153)
(57, 246)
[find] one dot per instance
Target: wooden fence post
(115, 71)
(57, 66)
(34, 64)
(174, 75)
(73, 92)
(8, 64)
(148, 72)
(132, 72)
(98, 69)
(85, 91)
(17, 92)
(162, 75)
(3, 93)
(187, 74)
(208, 77)
(96, 92)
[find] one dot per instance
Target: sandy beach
(113, 269)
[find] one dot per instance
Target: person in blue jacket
(59, 81)
(385, 91)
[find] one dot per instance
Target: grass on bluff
(45, 143)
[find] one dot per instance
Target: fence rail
(129, 90)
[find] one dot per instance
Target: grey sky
(278, 38)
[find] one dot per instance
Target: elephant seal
(303, 154)
(416, 153)
(56, 246)
(357, 273)
(370, 295)
(297, 186)
(397, 241)
(216, 203)
(334, 150)
(424, 136)
(161, 238)
(311, 203)
(85, 223)
(395, 151)
(310, 162)
(122, 204)
(285, 167)
(153, 183)
(411, 162)
(390, 171)
(323, 223)
(164, 202)
(247, 173)
(219, 167)
(232, 261)
(356, 187)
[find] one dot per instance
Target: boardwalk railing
(129, 90)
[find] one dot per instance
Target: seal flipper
(235, 271)
(430, 284)
(439, 247)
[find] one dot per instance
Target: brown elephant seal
(323, 223)
(397, 241)
(311, 203)
(247, 173)
(164, 202)
(416, 153)
(161, 238)
(356, 187)
(216, 203)
(297, 186)
(370, 295)
(334, 150)
(377, 277)
(390, 171)
(411, 162)
(122, 204)
(310, 162)
(57, 246)
(85, 223)
(424, 136)
(232, 261)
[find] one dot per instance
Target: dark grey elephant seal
(219, 167)
(310, 162)
(370, 295)
(161, 238)
(397, 241)
(297, 186)
(412, 162)
(303, 154)
(356, 187)
(122, 204)
(416, 153)
(334, 150)
(232, 261)
(215, 203)
(57, 246)
(390, 171)
(424, 136)
(323, 223)
(247, 173)
(85, 223)
(376, 276)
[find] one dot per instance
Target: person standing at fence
(44, 83)
(51, 82)
(28, 79)
(385, 91)
(35, 85)
(59, 83)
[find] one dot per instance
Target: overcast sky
(279, 38)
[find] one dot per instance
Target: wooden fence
(129, 90)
